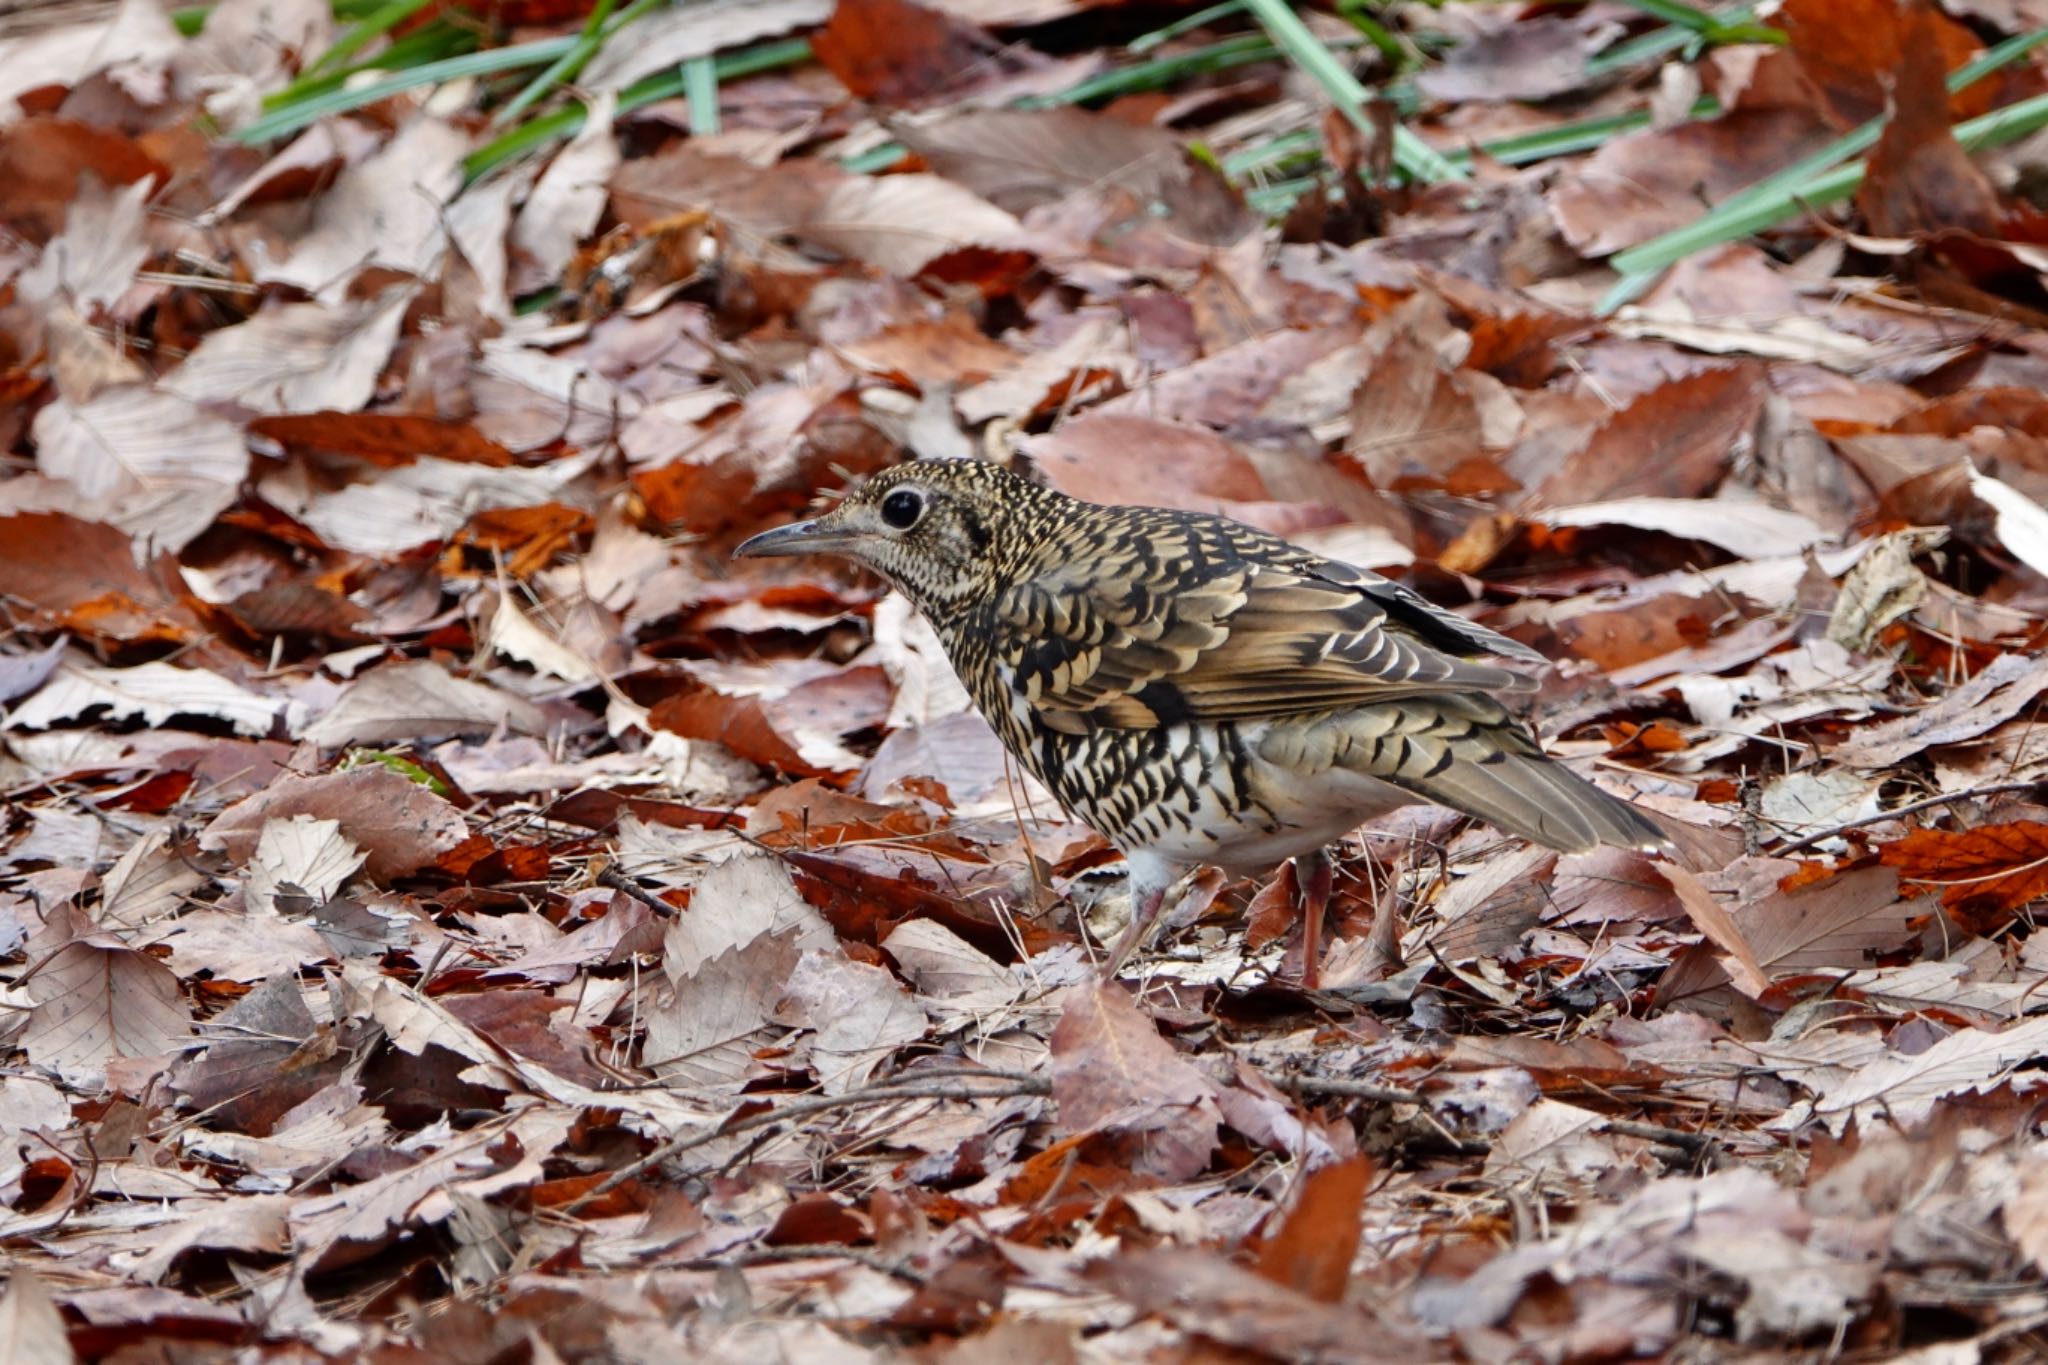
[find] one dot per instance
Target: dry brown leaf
(1112, 1070)
(1920, 178)
(896, 52)
(399, 824)
(1713, 919)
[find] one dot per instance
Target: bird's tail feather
(1541, 799)
(1471, 754)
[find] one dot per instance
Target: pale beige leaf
(416, 699)
(2001, 690)
(859, 1015)
(427, 500)
(704, 1034)
(94, 259)
(950, 970)
(132, 435)
(147, 882)
(514, 635)
(2026, 1214)
(1904, 1088)
(1752, 530)
(384, 211)
(736, 902)
(296, 357)
(151, 692)
(96, 1001)
(31, 1329)
(307, 855)
(900, 223)
(2022, 522)
(565, 204)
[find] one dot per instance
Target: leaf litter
(450, 910)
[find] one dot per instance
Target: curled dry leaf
(152, 693)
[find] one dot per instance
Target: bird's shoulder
(1137, 616)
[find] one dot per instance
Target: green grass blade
(562, 69)
(1778, 196)
(700, 90)
(1201, 18)
(291, 118)
(1161, 71)
(432, 43)
(1415, 158)
(666, 85)
(366, 31)
(1994, 129)
(1672, 12)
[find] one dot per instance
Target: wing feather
(1132, 636)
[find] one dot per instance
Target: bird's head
(937, 529)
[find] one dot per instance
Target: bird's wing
(1199, 619)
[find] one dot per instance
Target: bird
(1198, 691)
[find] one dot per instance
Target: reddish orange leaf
(1983, 874)
(1312, 1248)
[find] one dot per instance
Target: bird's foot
(1314, 876)
(1144, 913)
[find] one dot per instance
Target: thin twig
(773, 1255)
(1945, 798)
(610, 876)
(947, 1088)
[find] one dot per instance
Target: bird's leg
(1150, 879)
(1313, 878)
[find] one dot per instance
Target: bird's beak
(798, 538)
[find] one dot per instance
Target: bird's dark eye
(902, 508)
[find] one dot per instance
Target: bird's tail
(1471, 754)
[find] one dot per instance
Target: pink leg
(1143, 914)
(1151, 879)
(1313, 876)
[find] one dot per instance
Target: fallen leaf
(32, 1331)
(416, 699)
(898, 53)
(133, 435)
(1112, 1070)
(1713, 919)
(399, 824)
(902, 223)
(1989, 871)
(153, 693)
(97, 1000)
(2001, 690)
(386, 211)
(1312, 1249)
(296, 357)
